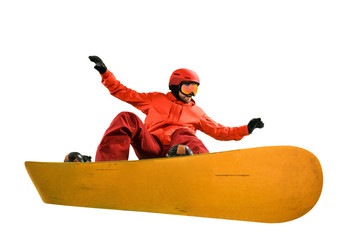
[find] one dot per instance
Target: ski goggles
(189, 88)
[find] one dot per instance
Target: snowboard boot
(77, 157)
(179, 150)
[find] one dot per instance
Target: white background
(295, 64)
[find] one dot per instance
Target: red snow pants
(127, 129)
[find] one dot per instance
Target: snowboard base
(268, 184)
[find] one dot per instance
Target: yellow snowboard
(266, 184)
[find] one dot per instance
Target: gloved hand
(100, 66)
(255, 123)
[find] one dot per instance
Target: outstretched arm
(139, 100)
(220, 132)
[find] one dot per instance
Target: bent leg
(184, 137)
(127, 129)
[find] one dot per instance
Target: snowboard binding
(77, 157)
(179, 150)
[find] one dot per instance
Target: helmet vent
(187, 78)
(177, 74)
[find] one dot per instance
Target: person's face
(187, 91)
(184, 98)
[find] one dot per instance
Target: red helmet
(183, 75)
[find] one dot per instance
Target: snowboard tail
(267, 184)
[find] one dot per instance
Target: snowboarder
(170, 124)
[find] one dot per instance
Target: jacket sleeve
(220, 132)
(141, 101)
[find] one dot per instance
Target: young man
(170, 124)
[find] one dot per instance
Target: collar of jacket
(175, 100)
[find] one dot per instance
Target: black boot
(179, 150)
(77, 157)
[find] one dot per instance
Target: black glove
(255, 123)
(100, 66)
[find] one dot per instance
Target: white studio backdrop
(295, 64)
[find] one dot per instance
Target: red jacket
(165, 114)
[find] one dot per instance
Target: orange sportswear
(165, 114)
